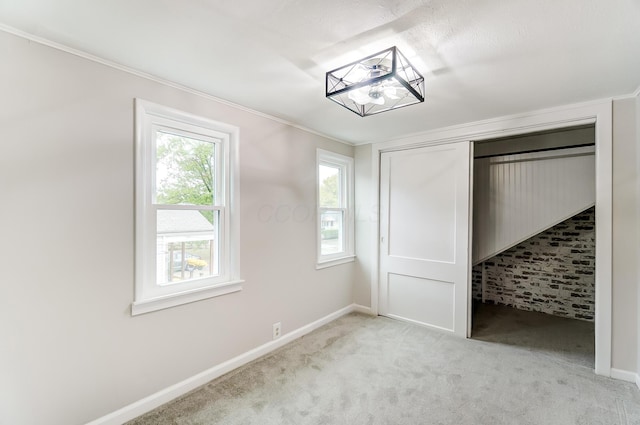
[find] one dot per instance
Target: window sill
(167, 301)
(335, 262)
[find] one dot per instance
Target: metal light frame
(387, 77)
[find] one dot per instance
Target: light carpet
(373, 370)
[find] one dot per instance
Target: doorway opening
(533, 249)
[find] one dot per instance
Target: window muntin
(186, 238)
(335, 207)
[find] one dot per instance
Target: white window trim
(348, 255)
(148, 296)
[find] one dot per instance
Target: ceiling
(480, 59)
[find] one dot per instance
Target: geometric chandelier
(377, 83)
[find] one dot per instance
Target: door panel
(424, 229)
(436, 241)
(422, 300)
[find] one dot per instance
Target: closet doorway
(533, 253)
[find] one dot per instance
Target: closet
(533, 244)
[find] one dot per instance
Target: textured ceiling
(480, 59)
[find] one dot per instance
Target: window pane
(331, 232)
(184, 170)
(330, 186)
(187, 245)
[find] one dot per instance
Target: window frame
(346, 191)
(150, 296)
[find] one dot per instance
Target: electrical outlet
(277, 330)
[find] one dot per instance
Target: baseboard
(624, 375)
(163, 396)
(362, 309)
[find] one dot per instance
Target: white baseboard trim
(362, 309)
(624, 375)
(163, 396)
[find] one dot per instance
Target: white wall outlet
(277, 330)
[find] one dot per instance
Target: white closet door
(424, 229)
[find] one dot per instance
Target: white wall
(625, 234)
(71, 352)
(366, 211)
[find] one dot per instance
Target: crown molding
(80, 53)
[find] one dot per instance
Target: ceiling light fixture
(377, 83)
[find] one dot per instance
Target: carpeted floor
(566, 339)
(373, 370)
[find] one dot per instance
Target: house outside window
(335, 208)
(186, 196)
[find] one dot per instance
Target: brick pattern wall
(552, 272)
(476, 282)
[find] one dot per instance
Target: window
(186, 229)
(335, 208)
